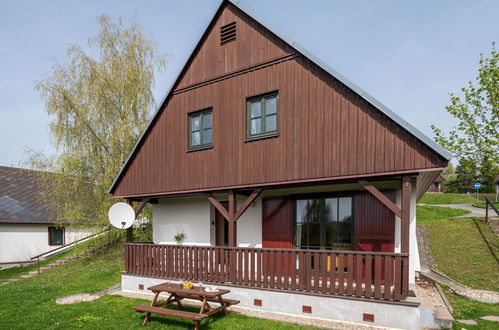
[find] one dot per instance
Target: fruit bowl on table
(187, 285)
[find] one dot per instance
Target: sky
(407, 54)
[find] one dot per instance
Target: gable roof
(19, 197)
(378, 105)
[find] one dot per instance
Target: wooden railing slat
(358, 275)
(368, 276)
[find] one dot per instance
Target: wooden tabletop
(177, 289)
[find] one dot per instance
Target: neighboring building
(437, 185)
(292, 186)
(26, 229)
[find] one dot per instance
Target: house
(436, 186)
(26, 228)
(292, 187)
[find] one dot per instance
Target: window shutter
(277, 223)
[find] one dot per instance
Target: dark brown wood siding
(253, 45)
(374, 223)
(325, 129)
(277, 223)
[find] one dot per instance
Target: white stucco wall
(189, 215)
(195, 217)
(249, 225)
(20, 242)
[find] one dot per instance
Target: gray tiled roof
(19, 197)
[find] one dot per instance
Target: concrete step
(42, 269)
(52, 265)
(26, 275)
(33, 272)
(442, 317)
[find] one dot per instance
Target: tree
(99, 104)
(476, 137)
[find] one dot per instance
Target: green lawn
(447, 198)
(465, 309)
(30, 303)
(482, 204)
(461, 252)
(426, 214)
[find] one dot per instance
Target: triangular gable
(292, 45)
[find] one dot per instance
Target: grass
(30, 303)
(427, 214)
(465, 309)
(465, 249)
(482, 205)
(447, 198)
(14, 272)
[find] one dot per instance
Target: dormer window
(201, 129)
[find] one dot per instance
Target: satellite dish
(121, 215)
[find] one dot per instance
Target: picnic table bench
(177, 293)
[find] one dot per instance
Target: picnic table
(177, 293)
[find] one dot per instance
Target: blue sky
(408, 54)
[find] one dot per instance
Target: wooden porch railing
(377, 275)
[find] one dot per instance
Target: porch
(372, 276)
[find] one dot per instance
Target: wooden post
(406, 213)
(129, 231)
(232, 219)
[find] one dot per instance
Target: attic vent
(227, 33)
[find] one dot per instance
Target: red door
(277, 231)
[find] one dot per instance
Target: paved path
(475, 211)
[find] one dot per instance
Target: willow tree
(99, 100)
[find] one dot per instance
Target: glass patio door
(324, 223)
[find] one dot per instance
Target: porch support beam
(232, 214)
(141, 206)
(232, 219)
(217, 205)
(381, 197)
(406, 213)
(137, 210)
(248, 202)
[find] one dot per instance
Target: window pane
(345, 209)
(331, 234)
(255, 109)
(195, 123)
(344, 234)
(196, 138)
(207, 120)
(256, 126)
(56, 236)
(331, 210)
(301, 234)
(271, 105)
(207, 136)
(308, 210)
(271, 123)
(314, 235)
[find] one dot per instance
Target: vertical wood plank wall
(325, 129)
